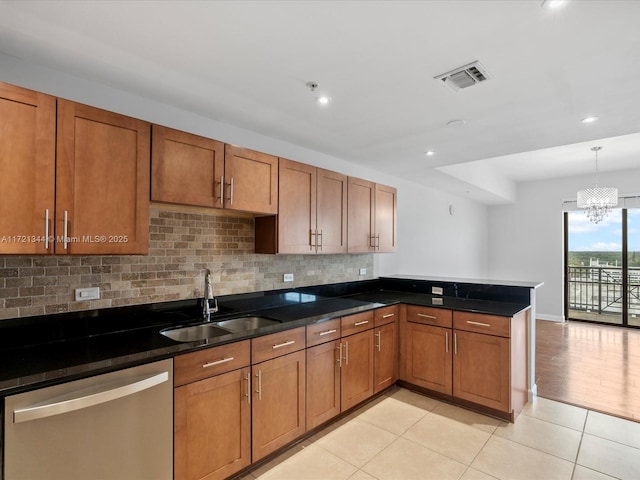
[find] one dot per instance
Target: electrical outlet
(83, 294)
(436, 290)
(288, 277)
(363, 271)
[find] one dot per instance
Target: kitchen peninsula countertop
(37, 351)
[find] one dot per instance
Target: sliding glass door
(602, 268)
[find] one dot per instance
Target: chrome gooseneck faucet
(207, 309)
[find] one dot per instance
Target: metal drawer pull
(46, 229)
(379, 335)
(364, 322)
(89, 397)
(280, 345)
(427, 316)
(217, 362)
(446, 342)
(248, 394)
(455, 344)
(340, 355)
(259, 390)
(478, 323)
(328, 332)
(389, 315)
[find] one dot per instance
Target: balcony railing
(598, 290)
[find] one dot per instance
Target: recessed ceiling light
(590, 119)
(553, 4)
(323, 100)
(429, 153)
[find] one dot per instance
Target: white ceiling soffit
(246, 63)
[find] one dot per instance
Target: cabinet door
(331, 212)
(385, 226)
(212, 424)
(385, 356)
(361, 216)
(102, 181)
(428, 357)
(323, 384)
(481, 369)
(251, 180)
(357, 369)
(278, 403)
(297, 208)
(186, 169)
(27, 163)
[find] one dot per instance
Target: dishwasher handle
(88, 397)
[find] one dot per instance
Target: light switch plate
(436, 290)
(83, 294)
(288, 277)
(363, 271)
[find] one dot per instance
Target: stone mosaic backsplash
(181, 246)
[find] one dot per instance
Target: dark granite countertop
(37, 351)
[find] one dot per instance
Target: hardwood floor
(591, 366)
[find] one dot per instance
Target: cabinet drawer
(323, 332)
(357, 323)
(480, 323)
(439, 317)
(277, 344)
(195, 366)
(382, 316)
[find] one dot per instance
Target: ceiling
(247, 63)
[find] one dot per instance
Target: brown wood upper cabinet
(312, 212)
(102, 182)
(27, 162)
(186, 168)
(191, 170)
(371, 217)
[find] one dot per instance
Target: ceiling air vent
(465, 76)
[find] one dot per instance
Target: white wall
(526, 238)
(431, 242)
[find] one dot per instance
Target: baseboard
(552, 318)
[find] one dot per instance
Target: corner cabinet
(312, 212)
(372, 222)
(27, 162)
(102, 182)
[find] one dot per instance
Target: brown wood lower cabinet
(278, 403)
(385, 352)
(323, 383)
(356, 380)
(429, 359)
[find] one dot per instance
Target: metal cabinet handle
(389, 315)
(364, 322)
(328, 332)
(455, 344)
(346, 353)
(65, 229)
(379, 345)
(248, 394)
(480, 324)
(313, 240)
(217, 362)
(340, 355)
(259, 390)
(221, 197)
(231, 192)
(321, 242)
(427, 316)
(89, 398)
(46, 229)
(280, 345)
(376, 244)
(446, 342)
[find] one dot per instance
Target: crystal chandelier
(597, 201)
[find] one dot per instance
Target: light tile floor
(405, 436)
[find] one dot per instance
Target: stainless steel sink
(243, 324)
(204, 331)
(194, 333)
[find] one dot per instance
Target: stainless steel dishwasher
(114, 426)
